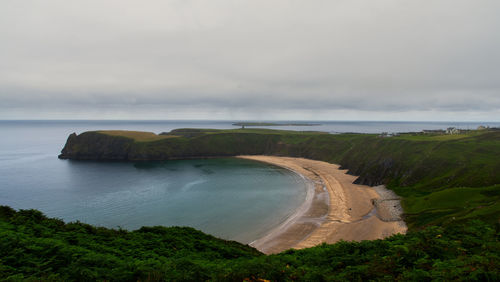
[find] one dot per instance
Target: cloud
(283, 59)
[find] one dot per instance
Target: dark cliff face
(397, 162)
(204, 146)
(96, 146)
(374, 173)
(68, 150)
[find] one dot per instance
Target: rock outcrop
(93, 145)
(393, 161)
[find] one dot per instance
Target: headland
(441, 178)
(449, 185)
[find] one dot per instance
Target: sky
(250, 60)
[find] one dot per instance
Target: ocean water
(229, 198)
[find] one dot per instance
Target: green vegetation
(188, 132)
(33, 247)
(450, 185)
(454, 204)
(439, 137)
(138, 136)
(422, 168)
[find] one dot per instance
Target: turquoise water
(230, 198)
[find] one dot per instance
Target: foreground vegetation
(38, 248)
(450, 187)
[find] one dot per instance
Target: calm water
(229, 198)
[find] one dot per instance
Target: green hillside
(450, 187)
(416, 166)
(36, 248)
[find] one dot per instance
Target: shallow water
(230, 198)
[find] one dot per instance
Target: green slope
(36, 248)
(413, 165)
(447, 183)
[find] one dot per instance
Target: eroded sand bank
(334, 209)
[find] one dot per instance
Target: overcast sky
(259, 60)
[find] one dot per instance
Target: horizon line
(261, 120)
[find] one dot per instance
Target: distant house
(481, 127)
(452, 130)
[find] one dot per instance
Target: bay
(229, 198)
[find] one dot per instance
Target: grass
(447, 182)
(454, 204)
(427, 171)
(438, 137)
(269, 131)
(186, 131)
(138, 136)
(36, 248)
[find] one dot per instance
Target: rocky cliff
(399, 162)
(93, 145)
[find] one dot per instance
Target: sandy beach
(335, 209)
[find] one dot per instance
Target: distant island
(273, 124)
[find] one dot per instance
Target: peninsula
(440, 178)
(448, 185)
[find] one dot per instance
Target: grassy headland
(139, 136)
(421, 168)
(449, 185)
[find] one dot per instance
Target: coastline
(335, 209)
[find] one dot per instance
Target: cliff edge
(93, 145)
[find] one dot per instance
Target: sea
(229, 198)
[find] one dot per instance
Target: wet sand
(335, 209)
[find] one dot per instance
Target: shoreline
(292, 219)
(335, 209)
